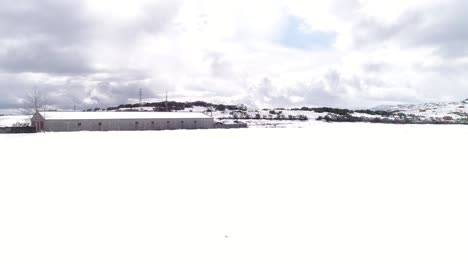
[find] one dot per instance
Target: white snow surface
(119, 115)
(10, 120)
(328, 193)
(436, 110)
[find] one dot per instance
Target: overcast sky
(342, 53)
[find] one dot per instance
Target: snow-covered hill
(436, 113)
(10, 120)
(455, 110)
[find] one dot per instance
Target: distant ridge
(452, 109)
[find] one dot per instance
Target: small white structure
(119, 121)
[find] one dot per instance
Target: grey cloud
(376, 67)
(440, 27)
(8, 100)
(55, 38)
(314, 93)
(368, 31)
(13, 88)
(330, 89)
(220, 67)
(73, 91)
(43, 37)
(345, 9)
(60, 21)
(446, 29)
(44, 57)
(106, 93)
(158, 16)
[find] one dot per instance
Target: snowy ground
(328, 193)
(455, 110)
(10, 120)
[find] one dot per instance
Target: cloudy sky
(342, 53)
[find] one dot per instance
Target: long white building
(119, 121)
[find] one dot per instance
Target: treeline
(273, 115)
(341, 111)
(179, 106)
(397, 118)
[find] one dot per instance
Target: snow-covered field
(455, 110)
(328, 193)
(11, 120)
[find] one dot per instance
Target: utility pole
(74, 108)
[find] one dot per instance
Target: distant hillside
(175, 106)
(429, 113)
(454, 110)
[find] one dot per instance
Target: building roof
(121, 115)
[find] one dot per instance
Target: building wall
(127, 125)
(36, 121)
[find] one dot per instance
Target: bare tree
(34, 101)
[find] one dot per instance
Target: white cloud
(103, 51)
